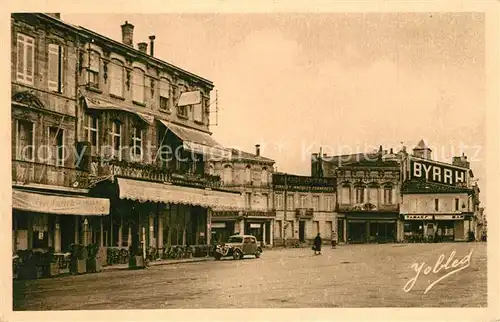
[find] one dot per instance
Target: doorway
(302, 231)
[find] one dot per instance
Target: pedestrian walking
(317, 245)
(334, 239)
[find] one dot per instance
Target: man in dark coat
(317, 245)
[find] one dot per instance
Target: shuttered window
(56, 60)
(25, 59)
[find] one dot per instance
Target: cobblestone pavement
(349, 276)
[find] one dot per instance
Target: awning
(59, 204)
(145, 191)
(99, 104)
(197, 141)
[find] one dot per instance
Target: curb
(160, 263)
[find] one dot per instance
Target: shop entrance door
(302, 231)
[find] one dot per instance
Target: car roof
(242, 236)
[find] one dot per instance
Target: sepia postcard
(251, 161)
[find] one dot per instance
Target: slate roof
(239, 154)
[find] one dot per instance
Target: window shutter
(61, 69)
(30, 59)
(20, 57)
(94, 62)
(53, 67)
(164, 88)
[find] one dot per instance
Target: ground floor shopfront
(428, 227)
(225, 224)
(303, 229)
(153, 217)
(370, 227)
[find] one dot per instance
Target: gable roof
(239, 154)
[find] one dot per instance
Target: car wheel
(237, 254)
(218, 257)
(257, 254)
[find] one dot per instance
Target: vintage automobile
(238, 246)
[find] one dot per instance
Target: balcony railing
(264, 185)
(368, 207)
(304, 213)
(26, 172)
(152, 173)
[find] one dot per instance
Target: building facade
(367, 194)
(51, 205)
(251, 175)
(439, 199)
(305, 206)
(143, 134)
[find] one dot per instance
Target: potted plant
(93, 261)
(136, 259)
(78, 259)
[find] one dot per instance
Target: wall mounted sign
(449, 217)
(418, 217)
(428, 170)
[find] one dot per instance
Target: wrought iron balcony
(25, 172)
(368, 207)
(304, 213)
(152, 172)
(253, 184)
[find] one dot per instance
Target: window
(198, 112)
(228, 174)
(436, 204)
(346, 195)
(248, 174)
(303, 201)
(136, 144)
(316, 203)
(56, 144)
(24, 140)
(56, 60)
(116, 139)
(279, 201)
(315, 228)
(93, 69)
(91, 127)
(457, 204)
(164, 94)
(373, 195)
(360, 195)
(248, 199)
(263, 176)
(182, 110)
(277, 229)
(388, 196)
(116, 78)
(266, 200)
(290, 202)
(328, 203)
(138, 85)
(25, 59)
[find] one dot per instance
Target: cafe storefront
(450, 227)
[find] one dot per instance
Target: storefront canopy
(59, 204)
(144, 191)
(197, 141)
(99, 104)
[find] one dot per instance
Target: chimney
(391, 151)
(257, 149)
(152, 44)
(143, 47)
(128, 34)
(56, 15)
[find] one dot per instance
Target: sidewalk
(159, 262)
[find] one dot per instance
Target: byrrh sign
(436, 172)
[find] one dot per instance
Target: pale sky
(296, 82)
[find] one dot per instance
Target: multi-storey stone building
(439, 199)
(367, 194)
(122, 125)
(50, 202)
(251, 175)
(305, 206)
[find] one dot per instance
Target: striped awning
(99, 104)
(59, 204)
(145, 191)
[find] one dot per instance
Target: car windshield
(235, 239)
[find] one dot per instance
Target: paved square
(349, 276)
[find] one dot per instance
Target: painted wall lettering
(434, 172)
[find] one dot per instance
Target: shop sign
(452, 217)
(437, 173)
(418, 217)
(254, 225)
(218, 225)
